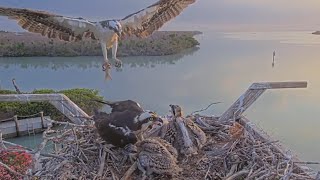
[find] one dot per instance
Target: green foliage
(160, 43)
(82, 97)
(20, 46)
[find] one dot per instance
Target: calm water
(221, 70)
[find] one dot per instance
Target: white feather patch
(78, 25)
(143, 116)
(126, 131)
(138, 105)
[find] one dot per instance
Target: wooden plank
(8, 128)
(42, 120)
(70, 113)
(279, 85)
(59, 101)
(242, 104)
(15, 118)
(30, 97)
(252, 94)
(258, 132)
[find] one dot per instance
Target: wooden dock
(15, 127)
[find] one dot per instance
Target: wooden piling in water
(15, 127)
(15, 118)
(42, 119)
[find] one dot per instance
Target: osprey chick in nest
(156, 155)
(107, 32)
(181, 132)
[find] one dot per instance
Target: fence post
(42, 119)
(15, 118)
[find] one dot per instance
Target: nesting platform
(250, 154)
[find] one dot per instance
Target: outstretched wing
(150, 19)
(50, 25)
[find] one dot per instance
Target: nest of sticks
(231, 152)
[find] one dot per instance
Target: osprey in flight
(107, 32)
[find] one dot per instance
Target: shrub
(81, 97)
(17, 160)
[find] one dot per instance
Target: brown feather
(43, 23)
(143, 25)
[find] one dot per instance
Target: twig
(102, 162)
(36, 157)
(201, 110)
(237, 174)
(15, 86)
(65, 123)
(318, 176)
(207, 173)
(288, 170)
(28, 150)
(256, 146)
(12, 171)
(232, 170)
(307, 162)
(129, 171)
(1, 141)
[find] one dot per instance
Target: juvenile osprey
(181, 132)
(156, 155)
(107, 32)
(125, 124)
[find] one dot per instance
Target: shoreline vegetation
(13, 44)
(81, 96)
(316, 33)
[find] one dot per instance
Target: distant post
(15, 118)
(42, 119)
(274, 54)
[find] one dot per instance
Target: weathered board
(25, 126)
(253, 93)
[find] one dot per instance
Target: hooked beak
(158, 122)
(172, 109)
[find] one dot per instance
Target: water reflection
(82, 63)
(152, 62)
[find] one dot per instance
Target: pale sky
(211, 14)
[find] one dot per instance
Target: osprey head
(116, 26)
(176, 110)
(146, 119)
(146, 116)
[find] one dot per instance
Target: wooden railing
(252, 94)
(59, 101)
